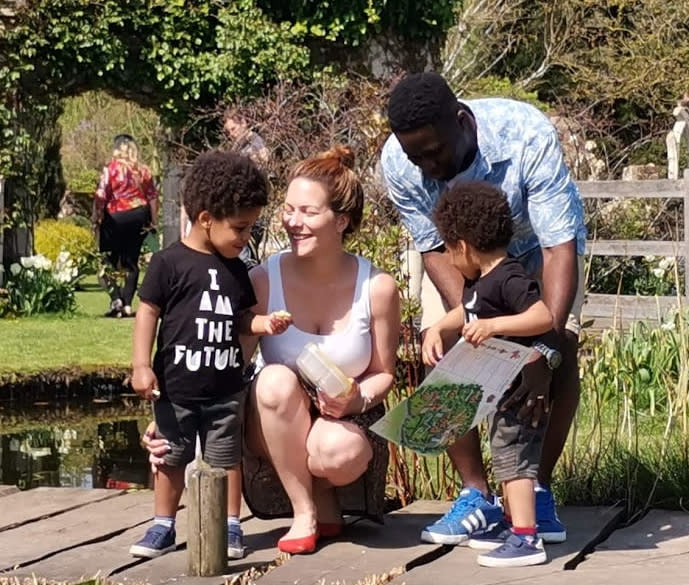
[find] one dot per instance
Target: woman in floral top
(125, 208)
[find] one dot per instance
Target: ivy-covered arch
(175, 56)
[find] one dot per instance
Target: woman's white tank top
(350, 348)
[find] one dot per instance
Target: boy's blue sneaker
(550, 529)
(470, 512)
(157, 541)
(515, 552)
(235, 542)
(492, 538)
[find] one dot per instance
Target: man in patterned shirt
(437, 141)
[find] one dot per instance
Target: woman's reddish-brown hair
(333, 168)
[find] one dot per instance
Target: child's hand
(277, 322)
(145, 383)
(478, 331)
(432, 347)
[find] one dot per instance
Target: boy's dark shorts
(515, 445)
(218, 424)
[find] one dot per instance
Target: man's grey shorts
(218, 424)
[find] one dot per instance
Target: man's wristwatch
(553, 358)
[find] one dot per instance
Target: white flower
(668, 326)
(649, 259)
(666, 263)
(29, 273)
(658, 272)
(15, 269)
(62, 257)
(27, 261)
(42, 263)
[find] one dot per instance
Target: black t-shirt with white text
(505, 290)
(200, 296)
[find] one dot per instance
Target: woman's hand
(156, 447)
(345, 405)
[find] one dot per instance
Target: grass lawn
(86, 339)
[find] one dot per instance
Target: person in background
(439, 141)
(197, 295)
(125, 208)
(241, 139)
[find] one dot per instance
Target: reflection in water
(80, 453)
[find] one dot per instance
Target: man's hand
(477, 331)
(533, 393)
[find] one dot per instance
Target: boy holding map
(499, 299)
(199, 290)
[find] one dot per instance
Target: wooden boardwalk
(71, 535)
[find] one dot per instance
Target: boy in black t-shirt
(200, 292)
(499, 299)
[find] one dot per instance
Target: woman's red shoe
(298, 546)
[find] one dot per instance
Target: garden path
(70, 534)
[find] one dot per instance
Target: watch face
(555, 360)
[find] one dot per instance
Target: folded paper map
(461, 391)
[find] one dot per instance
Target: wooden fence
(609, 310)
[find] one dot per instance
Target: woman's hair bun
(342, 153)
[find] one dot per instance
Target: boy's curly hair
(223, 183)
(476, 212)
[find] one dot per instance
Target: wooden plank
(364, 549)
(260, 539)
(584, 526)
(42, 502)
(661, 534)
(629, 308)
(29, 543)
(652, 189)
(634, 248)
(6, 490)
(101, 558)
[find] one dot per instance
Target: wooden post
(170, 205)
(207, 522)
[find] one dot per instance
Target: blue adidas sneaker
(470, 512)
(550, 529)
(515, 552)
(157, 541)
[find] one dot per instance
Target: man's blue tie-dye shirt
(519, 151)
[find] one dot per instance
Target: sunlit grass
(86, 339)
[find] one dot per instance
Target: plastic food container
(319, 372)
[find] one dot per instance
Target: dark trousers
(121, 237)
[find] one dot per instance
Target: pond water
(92, 444)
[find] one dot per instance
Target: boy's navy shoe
(235, 542)
(157, 541)
(550, 529)
(492, 538)
(515, 552)
(470, 512)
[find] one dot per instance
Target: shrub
(37, 285)
(53, 236)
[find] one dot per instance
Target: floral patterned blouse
(122, 188)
